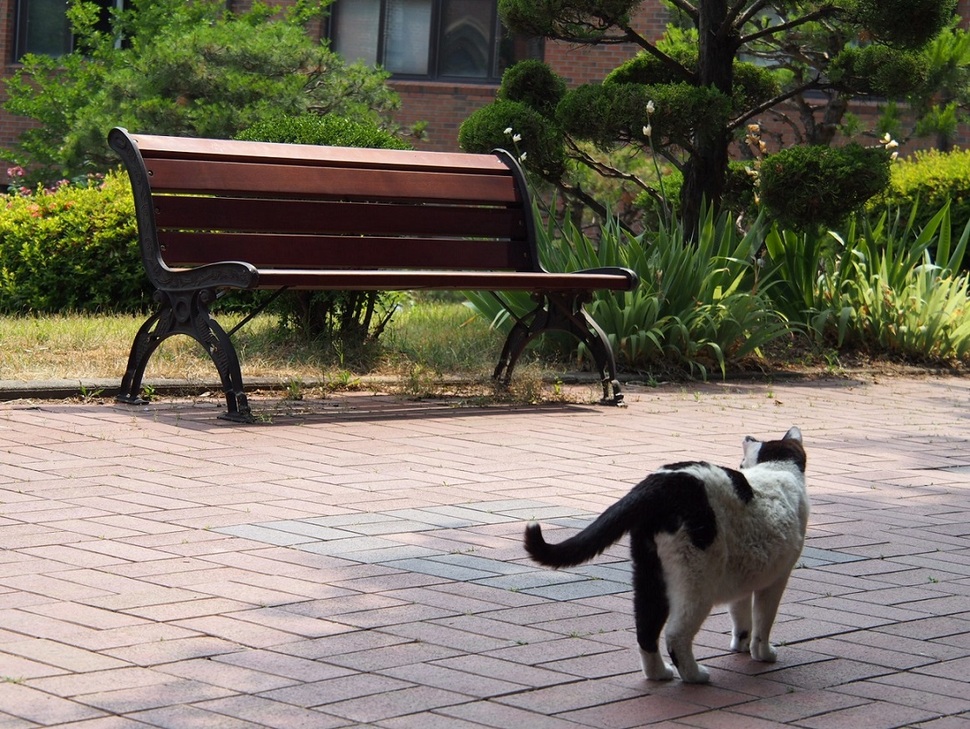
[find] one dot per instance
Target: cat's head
(789, 449)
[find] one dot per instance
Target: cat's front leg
(764, 610)
(740, 611)
(682, 654)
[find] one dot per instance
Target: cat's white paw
(699, 674)
(762, 650)
(740, 643)
(654, 667)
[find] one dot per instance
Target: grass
(425, 345)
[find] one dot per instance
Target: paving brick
(358, 562)
(272, 714)
(133, 700)
(363, 711)
(26, 703)
(871, 716)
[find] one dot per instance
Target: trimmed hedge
(927, 180)
(71, 248)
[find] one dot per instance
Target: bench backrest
(289, 206)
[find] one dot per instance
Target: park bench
(215, 215)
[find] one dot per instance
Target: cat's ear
(793, 434)
(751, 447)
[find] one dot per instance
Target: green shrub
(808, 187)
(698, 307)
(925, 182)
(328, 129)
(534, 84)
(187, 68)
(521, 130)
(877, 287)
(71, 248)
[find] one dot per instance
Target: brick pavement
(355, 561)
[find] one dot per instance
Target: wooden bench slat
(334, 252)
(301, 216)
(380, 280)
(324, 182)
(227, 150)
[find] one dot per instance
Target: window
(43, 28)
(441, 39)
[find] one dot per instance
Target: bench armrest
(232, 274)
(633, 280)
(235, 274)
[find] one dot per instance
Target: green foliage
(879, 70)
(188, 68)
(903, 23)
(925, 182)
(71, 248)
(539, 140)
(578, 19)
(534, 84)
(807, 187)
(801, 61)
(698, 307)
(329, 129)
(753, 84)
(608, 114)
(877, 288)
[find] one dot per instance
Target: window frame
(493, 73)
(21, 47)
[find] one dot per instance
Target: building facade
(447, 56)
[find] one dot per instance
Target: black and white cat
(700, 536)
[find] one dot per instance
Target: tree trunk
(705, 171)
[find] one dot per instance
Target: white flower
(508, 130)
(885, 138)
(892, 144)
(523, 156)
(647, 131)
(650, 107)
(516, 137)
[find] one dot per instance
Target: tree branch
(823, 12)
(685, 7)
(765, 106)
(735, 13)
(648, 47)
(603, 168)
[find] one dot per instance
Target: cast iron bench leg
(187, 312)
(565, 313)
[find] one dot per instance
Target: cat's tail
(606, 530)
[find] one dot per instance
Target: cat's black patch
(741, 486)
(788, 449)
(673, 500)
(673, 657)
(683, 465)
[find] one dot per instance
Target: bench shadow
(204, 413)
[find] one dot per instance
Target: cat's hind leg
(764, 610)
(740, 611)
(685, 621)
(650, 609)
